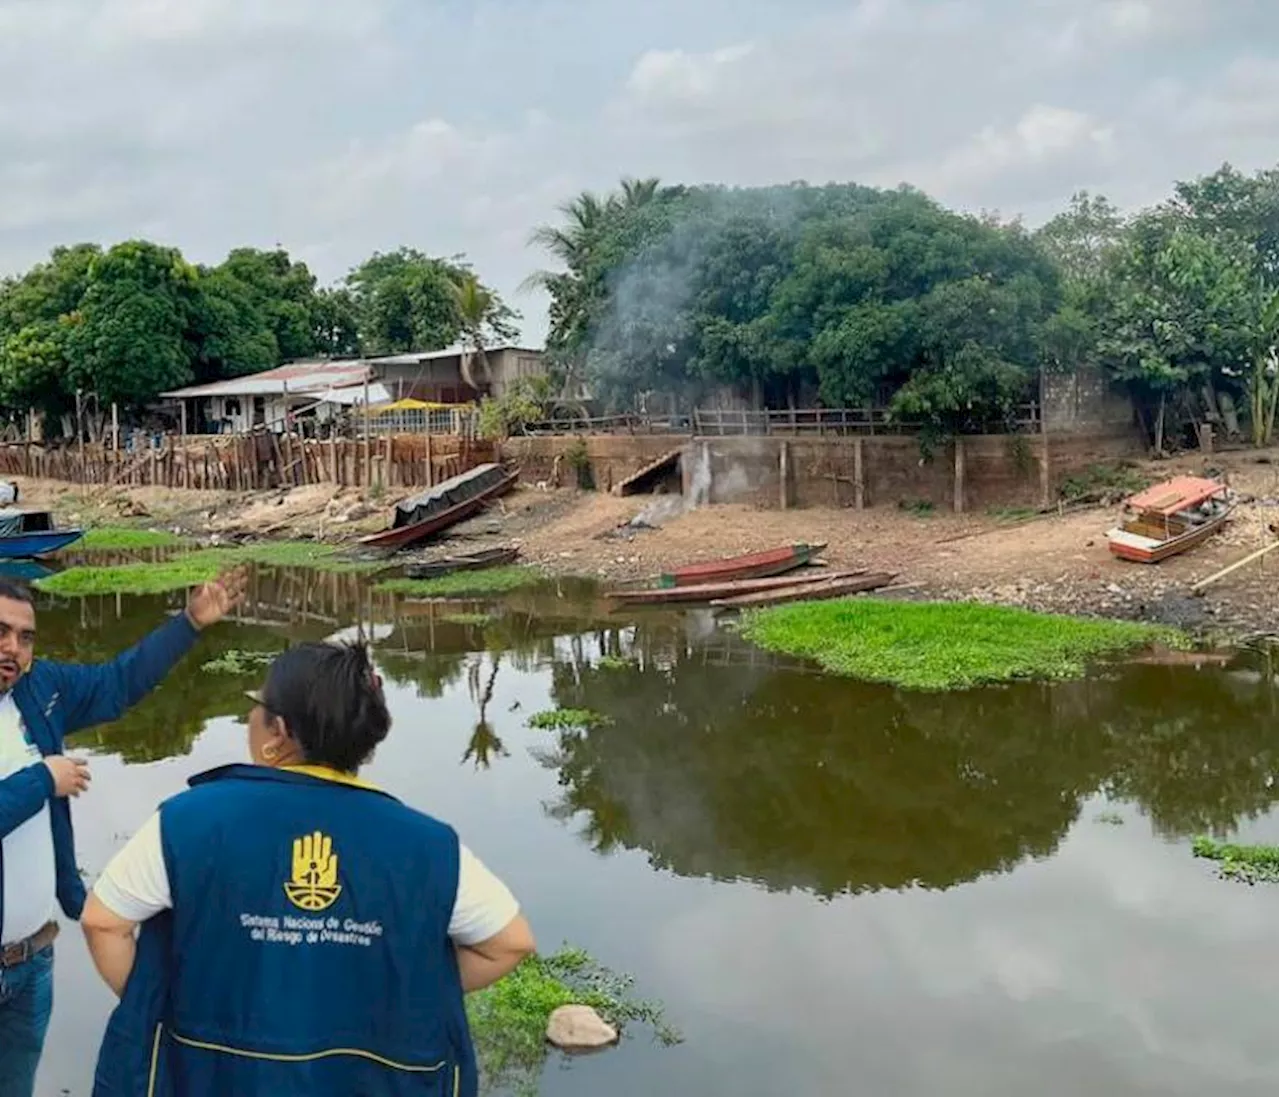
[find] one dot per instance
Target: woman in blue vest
(301, 932)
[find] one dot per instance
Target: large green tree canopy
(845, 292)
(130, 322)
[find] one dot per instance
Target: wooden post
(859, 488)
(784, 475)
(386, 466)
(183, 405)
(957, 502)
(80, 433)
(368, 462)
(115, 426)
(1046, 479)
(431, 472)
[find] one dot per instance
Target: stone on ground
(579, 1028)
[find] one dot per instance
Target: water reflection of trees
(719, 768)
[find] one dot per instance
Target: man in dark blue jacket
(41, 702)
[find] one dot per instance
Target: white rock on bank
(579, 1028)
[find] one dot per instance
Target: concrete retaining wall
(972, 473)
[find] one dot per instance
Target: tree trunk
(1271, 391)
(1159, 431)
(1230, 418)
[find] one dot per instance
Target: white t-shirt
(135, 886)
(30, 873)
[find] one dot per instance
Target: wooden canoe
(470, 561)
(809, 592)
(706, 592)
(443, 506)
(755, 565)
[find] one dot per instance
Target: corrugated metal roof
(321, 374)
(298, 376)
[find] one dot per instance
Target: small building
(269, 398)
(324, 389)
(438, 376)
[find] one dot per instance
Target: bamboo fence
(254, 462)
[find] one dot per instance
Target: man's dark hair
(330, 698)
(16, 592)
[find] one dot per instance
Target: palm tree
(474, 305)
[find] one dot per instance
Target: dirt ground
(1053, 562)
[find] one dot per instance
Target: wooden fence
(255, 461)
(789, 422)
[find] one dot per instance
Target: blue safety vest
(307, 951)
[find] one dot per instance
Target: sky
(336, 128)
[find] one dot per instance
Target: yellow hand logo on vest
(314, 885)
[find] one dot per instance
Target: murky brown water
(835, 888)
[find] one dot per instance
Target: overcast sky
(339, 127)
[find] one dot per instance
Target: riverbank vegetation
(791, 295)
(130, 321)
(459, 583)
(1249, 864)
(189, 569)
(127, 539)
(509, 1019)
(856, 295)
(938, 646)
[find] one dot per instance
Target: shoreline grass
(127, 538)
(189, 569)
(467, 583)
(944, 645)
(1258, 864)
(509, 1019)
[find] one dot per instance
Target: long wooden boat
(755, 565)
(442, 506)
(470, 561)
(809, 592)
(706, 592)
(30, 534)
(1170, 518)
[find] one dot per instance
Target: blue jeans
(26, 1000)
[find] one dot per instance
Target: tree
(1079, 237)
(405, 301)
(283, 291)
(482, 319)
(335, 323)
(1262, 387)
(1180, 306)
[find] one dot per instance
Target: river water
(834, 888)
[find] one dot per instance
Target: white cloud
(336, 128)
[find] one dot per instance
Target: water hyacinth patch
(568, 719)
(1257, 864)
(944, 645)
(476, 583)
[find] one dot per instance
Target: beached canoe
(442, 506)
(706, 592)
(755, 565)
(469, 561)
(809, 592)
(31, 534)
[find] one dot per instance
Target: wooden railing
(797, 421)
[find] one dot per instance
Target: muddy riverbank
(1056, 563)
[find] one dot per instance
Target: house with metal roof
(323, 388)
